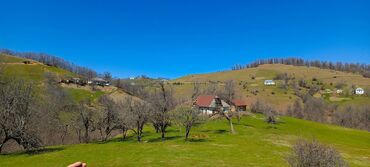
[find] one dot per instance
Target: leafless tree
(228, 94)
(314, 109)
(162, 101)
(187, 117)
(307, 153)
(353, 117)
(125, 121)
(264, 108)
(107, 117)
(140, 114)
(84, 120)
(16, 98)
(297, 110)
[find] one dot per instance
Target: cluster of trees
(30, 120)
(318, 110)
(53, 61)
(363, 69)
(307, 153)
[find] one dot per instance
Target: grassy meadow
(255, 144)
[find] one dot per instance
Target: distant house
(239, 105)
(269, 82)
(100, 82)
(359, 91)
(210, 104)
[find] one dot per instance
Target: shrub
(307, 153)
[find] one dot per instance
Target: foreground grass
(255, 144)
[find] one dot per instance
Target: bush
(312, 153)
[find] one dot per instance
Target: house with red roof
(211, 104)
(239, 105)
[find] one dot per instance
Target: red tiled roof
(204, 100)
(238, 102)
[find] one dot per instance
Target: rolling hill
(251, 80)
(255, 143)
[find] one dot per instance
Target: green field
(255, 144)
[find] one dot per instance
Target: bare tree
(187, 117)
(228, 94)
(16, 97)
(84, 120)
(125, 121)
(307, 153)
(107, 117)
(162, 101)
(140, 112)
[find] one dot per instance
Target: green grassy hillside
(35, 72)
(255, 144)
(248, 80)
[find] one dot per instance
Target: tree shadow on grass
(198, 140)
(220, 131)
(159, 139)
(36, 151)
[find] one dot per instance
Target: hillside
(35, 72)
(255, 144)
(251, 80)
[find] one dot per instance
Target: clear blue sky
(177, 37)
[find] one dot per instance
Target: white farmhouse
(269, 82)
(359, 91)
(339, 91)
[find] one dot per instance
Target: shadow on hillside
(37, 151)
(198, 140)
(220, 131)
(159, 139)
(247, 125)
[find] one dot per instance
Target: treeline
(54, 61)
(361, 68)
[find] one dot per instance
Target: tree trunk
(231, 125)
(124, 132)
(239, 117)
(86, 134)
(163, 134)
(187, 134)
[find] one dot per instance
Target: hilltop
(250, 83)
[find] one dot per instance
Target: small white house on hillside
(339, 91)
(269, 82)
(359, 91)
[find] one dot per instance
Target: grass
(81, 94)
(255, 144)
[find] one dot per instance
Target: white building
(269, 82)
(339, 91)
(359, 91)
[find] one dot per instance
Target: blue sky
(178, 37)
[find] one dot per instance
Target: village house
(269, 82)
(210, 104)
(238, 105)
(100, 82)
(359, 91)
(339, 91)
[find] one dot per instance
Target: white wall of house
(360, 91)
(269, 82)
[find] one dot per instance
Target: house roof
(239, 102)
(204, 100)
